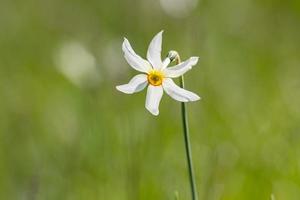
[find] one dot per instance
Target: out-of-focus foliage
(67, 133)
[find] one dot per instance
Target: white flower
(156, 75)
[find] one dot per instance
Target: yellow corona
(155, 77)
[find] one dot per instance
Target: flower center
(155, 77)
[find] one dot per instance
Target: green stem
(188, 145)
(174, 56)
(187, 142)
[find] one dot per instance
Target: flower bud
(173, 55)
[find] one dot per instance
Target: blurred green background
(67, 133)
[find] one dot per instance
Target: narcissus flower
(156, 75)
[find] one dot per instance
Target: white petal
(154, 94)
(180, 69)
(177, 92)
(136, 84)
(165, 63)
(154, 51)
(134, 60)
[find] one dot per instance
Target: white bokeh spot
(178, 8)
(76, 63)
